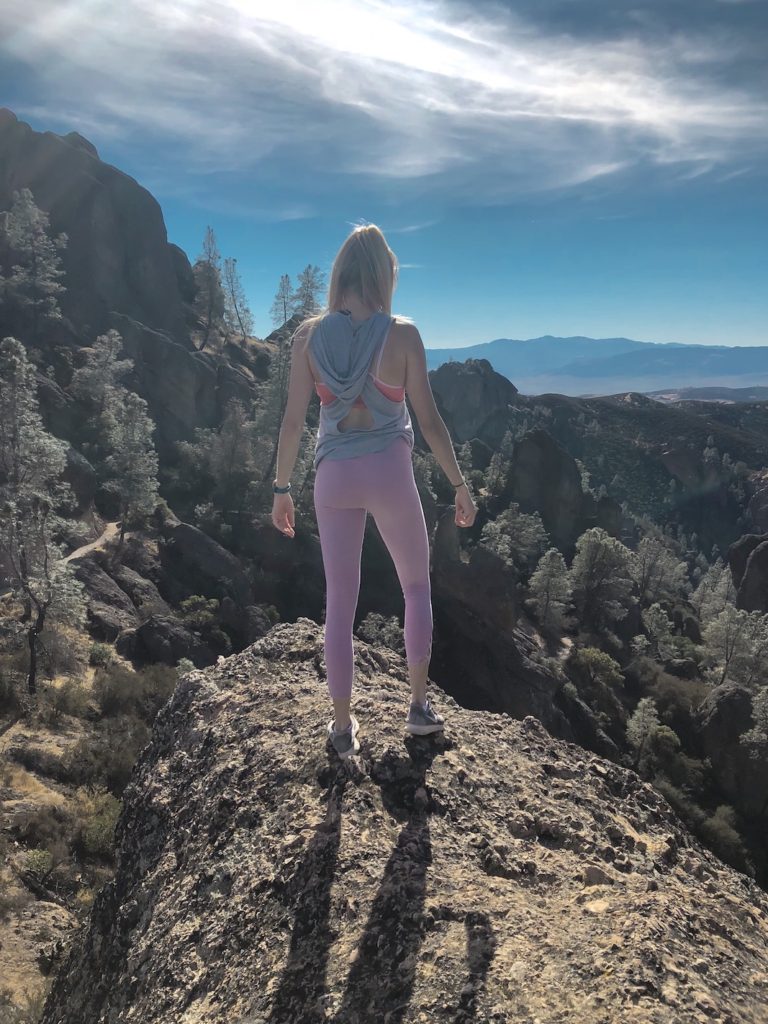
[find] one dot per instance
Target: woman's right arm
(431, 423)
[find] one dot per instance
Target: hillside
(492, 873)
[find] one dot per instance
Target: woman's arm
(300, 386)
(432, 425)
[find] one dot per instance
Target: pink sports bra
(391, 392)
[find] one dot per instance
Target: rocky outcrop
(117, 256)
(110, 609)
(197, 564)
(479, 647)
(165, 639)
(748, 559)
(473, 399)
(722, 718)
(492, 873)
(543, 477)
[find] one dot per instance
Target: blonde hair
(364, 264)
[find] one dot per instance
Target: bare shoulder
(407, 334)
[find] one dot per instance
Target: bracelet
(457, 486)
(280, 490)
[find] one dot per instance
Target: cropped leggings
(345, 490)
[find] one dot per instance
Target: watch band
(280, 490)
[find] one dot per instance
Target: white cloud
(423, 96)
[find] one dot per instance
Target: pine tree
(209, 302)
(495, 477)
(600, 578)
(550, 589)
(306, 297)
(659, 627)
(283, 306)
(657, 571)
(233, 456)
(237, 314)
(642, 723)
(517, 537)
(31, 494)
(726, 638)
(133, 460)
(714, 592)
(101, 372)
(33, 286)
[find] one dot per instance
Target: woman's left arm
(300, 387)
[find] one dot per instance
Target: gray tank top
(344, 355)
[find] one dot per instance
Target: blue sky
(539, 167)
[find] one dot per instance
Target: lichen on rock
(489, 873)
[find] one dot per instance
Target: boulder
(166, 639)
(739, 552)
(110, 609)
(260, 879)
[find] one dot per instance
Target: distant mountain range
(581, 366)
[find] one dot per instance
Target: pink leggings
(383, 484)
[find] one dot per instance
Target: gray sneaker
(423, 720)
(344, 743)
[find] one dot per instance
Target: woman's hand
(466, 510)
(283, 514)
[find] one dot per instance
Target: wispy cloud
(471, 101)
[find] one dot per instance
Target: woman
(363, 462)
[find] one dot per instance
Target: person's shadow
(380, 982)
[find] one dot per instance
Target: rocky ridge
(492, 873)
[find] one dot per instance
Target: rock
(752, 594)
(110, 609)
(739, 553)
(179, 385)
(201, 565)
(722, 717)
(595, 875)
(247, 854)
(543, 477)
(117, 256)
(473, 399)
(166, 639)
(479, 647)
(683, 668)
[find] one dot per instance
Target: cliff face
(117, 256)
(489, 874)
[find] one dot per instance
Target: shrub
(101, 654)
(720, 833)
(107, 757)
(98, 812)
(38, 862)
(46, 827)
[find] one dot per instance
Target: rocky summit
(491, 873)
